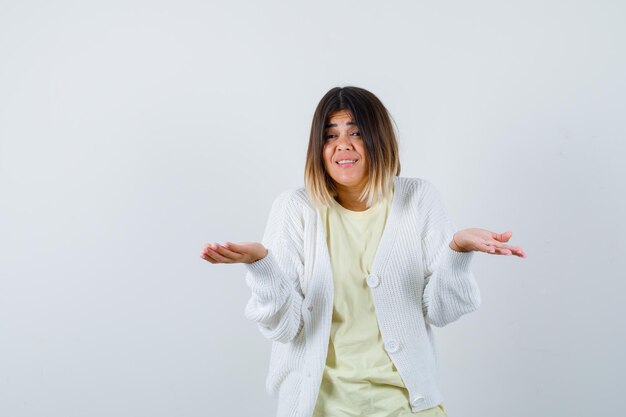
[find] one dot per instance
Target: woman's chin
(349, 180)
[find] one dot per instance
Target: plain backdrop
(134, 132)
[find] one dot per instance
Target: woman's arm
(450, 288)
(275, 304)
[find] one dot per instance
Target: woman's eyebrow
(335, 124)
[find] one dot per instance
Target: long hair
(378, 134)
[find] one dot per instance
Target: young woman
(353, 270)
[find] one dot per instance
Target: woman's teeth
(346, 162)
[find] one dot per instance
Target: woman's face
(343, 141)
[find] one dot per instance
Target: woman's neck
(349, 199)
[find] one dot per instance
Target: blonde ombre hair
(378, 134)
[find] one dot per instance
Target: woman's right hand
(231, 253)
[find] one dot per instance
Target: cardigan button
(372, 280)
(310, 308)
(417, 400)
(392, 345)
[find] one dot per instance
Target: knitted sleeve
(450, 288)
(274, 280)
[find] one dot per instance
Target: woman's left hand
(482, 240)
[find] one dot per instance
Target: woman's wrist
(263, 257)
(455, 246)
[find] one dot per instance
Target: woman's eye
(333, 136)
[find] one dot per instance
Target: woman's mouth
(347, 163)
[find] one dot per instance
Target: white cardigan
(416, 280)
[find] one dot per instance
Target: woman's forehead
(340, 113)
(340, 117)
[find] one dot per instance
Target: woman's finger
(222, 250)
(503, 251)
(207, 255)
(235, 248)
(519, 252)
(484, 247)
(503, 237)
(495, 249)
(499, 245)
(215, 255)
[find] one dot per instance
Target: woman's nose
(344, 142)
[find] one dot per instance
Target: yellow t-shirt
(359, 377)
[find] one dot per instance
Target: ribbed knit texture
(422, 282)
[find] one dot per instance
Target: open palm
(231, 253)
(482, 240)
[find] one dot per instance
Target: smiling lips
(346, 163)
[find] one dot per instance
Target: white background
(134, 132)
